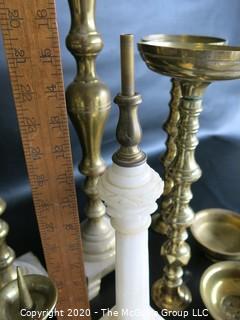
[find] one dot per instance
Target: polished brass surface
(158, 223)
(129, 132)
(31, 293)
(170, 126)
(25, 299)
(192, 61)
(127, 64)
(218, 233)
(88, 103)
(184, 38)
(220, 290)
(7, 255)
(195, 66)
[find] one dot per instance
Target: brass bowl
(218, 233)
(192, 61)
(220, 290)
(183, 38)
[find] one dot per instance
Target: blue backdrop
(218, 152)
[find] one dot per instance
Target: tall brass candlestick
(158, 219)
(195, 67)
(88, 103)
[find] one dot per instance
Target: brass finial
(25, 299)
(7, 255)
(129, 131)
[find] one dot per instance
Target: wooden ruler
(32, 48)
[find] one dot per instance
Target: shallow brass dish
(183, 38)
(218, 233)
(220, 290)
(192, 61)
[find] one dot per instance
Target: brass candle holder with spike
(8, 262)
(89, 102)
(28, 297)
(7, 255)
(195, 66)
(158, 223)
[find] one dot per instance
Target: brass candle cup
(217, 231)
(220, 290)
(184, 38)
(195, 66)
(170, 126)
(21, 298)
(192, 61)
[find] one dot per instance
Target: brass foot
(177, 298)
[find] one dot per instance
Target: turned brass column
(7, 255)
(88, 103)
(170, 292)
(158, 223)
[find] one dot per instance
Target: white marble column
(130, 195)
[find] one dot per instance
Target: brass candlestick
(158, 223)
(196, 67)
(7, 255)
(28, 297)
(89, 102)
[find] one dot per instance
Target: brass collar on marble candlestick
(129, 131)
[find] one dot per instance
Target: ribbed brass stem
(88, 103)
(170, 292)
(7, 255)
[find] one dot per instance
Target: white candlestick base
(30, 264)
(95, 271)
(130, 195)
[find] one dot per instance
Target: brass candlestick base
(170, 126)
(28, 297)
(195, 66)
(88, 103)
(177, 298)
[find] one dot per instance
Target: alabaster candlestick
(171, 125)
(130, 189)
(195, 67)
(88, 103)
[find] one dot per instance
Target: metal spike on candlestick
(130, 189)
(28, 297)
(88, 103)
